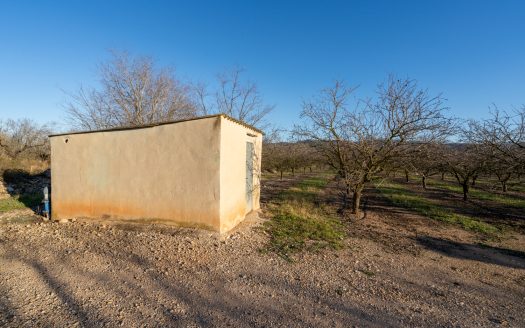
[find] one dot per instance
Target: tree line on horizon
(402, 128)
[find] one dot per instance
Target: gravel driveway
(131, 275)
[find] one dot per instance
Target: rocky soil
(397, 270)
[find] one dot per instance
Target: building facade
(202, 172)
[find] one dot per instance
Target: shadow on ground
(482, 253)
(209, 301)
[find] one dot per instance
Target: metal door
(249, 176)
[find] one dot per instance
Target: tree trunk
(293, 171)
(443, 176)
(424, 182)
(474, 180)
(356, 200)
(281, 174)
(465, 190)
(347, 196)
(504, 186)
(406, 175)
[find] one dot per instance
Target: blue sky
(471, 51)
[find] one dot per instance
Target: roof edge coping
(125, 128)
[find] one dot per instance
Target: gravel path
(100, 274)
(397, 270)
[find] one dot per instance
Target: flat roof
(124, 128)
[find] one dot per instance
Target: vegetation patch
(313, 183)
(517, 187)
(484, 195)
(19, 202)
(402, 197)
(10, 204)
(299, 226)
(367, 272)
(305, 191)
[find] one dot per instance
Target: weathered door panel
(249, 176)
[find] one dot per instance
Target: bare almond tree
(465, 161)
(426, 160)
(22, 137)
(362, 140)
(276, 157)
(503, 135)
(234, 97)
(291, 155)
(501, 169)
(132, 92)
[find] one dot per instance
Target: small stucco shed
(199, 172)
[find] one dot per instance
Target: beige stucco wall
(166, 172)
(191, 173)
(233, 207)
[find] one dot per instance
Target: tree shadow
(211, 300)
(8, 311)
(481, 253)
(448, 201)
(86, 318)
(491, 210)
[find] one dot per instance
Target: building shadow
(481, 253)
(27, 188)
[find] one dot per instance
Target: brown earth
(397, 270)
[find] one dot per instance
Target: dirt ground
(397, 270)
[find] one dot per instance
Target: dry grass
(299, 224)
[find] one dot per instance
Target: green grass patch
(298, 195)
(313, 183)
(305, 191)
(404, 198)
(300, 226)
(10, 204)
(367, 272)
(19, 202)
(517, 187)
(483, 195)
